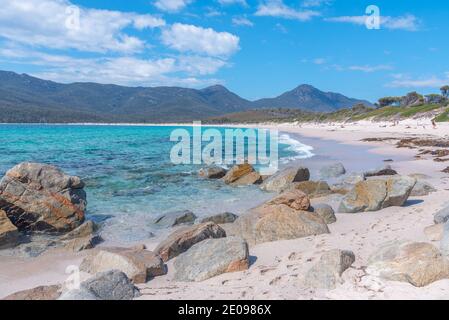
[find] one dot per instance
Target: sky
(256, 48)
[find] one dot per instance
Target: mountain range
(27, 99)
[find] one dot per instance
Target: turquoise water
(128, 173)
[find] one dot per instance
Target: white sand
(278, 266)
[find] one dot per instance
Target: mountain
(24, 98)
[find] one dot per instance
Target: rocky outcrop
(283, 179)
(9, 235)
(442, 216)
(242, 174)
(109, 285)
(139, 265)
(176, 218)
(38, 293)
(376, 194)
(332, 171)
(212, 257)
(326, 273)
(326, 212)
(294, 199)
(38, 197)
(213, 172)
(314, 189)
(422, 188)
(183, 239)
(221, 218)
(416, 263)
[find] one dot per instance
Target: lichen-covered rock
(38, 197)
(313, 189)
(38, 293)
(9, 235)
(294, 199)
(176, 218)
(326, 212)
(183, 239)
(283, 179)
(419, 264)
(139, 265)
(212, 257)
(221, 218)
(376, 194)
(213, 172)
(326, 273)
(332, 171)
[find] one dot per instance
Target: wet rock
(84, 243)
(38, 293)
(212, 257)
(283, 179)
(183, 239)
(326, 212)
(38, 197)
(419, 264)
(326, 273)
(332, 171)
(9, 235)
(176, 218)
(139, 265)
(213, 172)
(88, 228)
(222, 218)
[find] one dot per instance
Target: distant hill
(24, 98)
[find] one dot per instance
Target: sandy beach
(277, 268)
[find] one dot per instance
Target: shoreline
(273, 255)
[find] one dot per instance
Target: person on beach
(434, 124)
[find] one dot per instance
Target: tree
(434, 98)
(445, 91)
(412, 99)
(389, 101)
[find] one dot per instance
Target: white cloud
(45, 23)
(277, 8)
(369, 68)
(315, 3)
(319, 61)
(242, 21)
(190, 38)
(229, 2)
(407, 22)
(403, 81)
(172, 5)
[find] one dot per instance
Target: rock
(416, 263)
(212, 257)
(376, 194)
(38, 293)
(434, 232)
(326, 273)
(278, 222)
(109, 285)
(176, 218)
(283, 179)
(422, 188)
(80, 244)
(222, 218)
(9, 235)
(444, 244)
(332, 171)
(242, 174)
(139, 265)
(294, 199)
(314, 189)
(326, 212)
(87, 229)
(38, 197)
(384, 171)
(441, 216)
(181, 240)
(213, 172)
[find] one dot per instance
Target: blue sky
(256, 48)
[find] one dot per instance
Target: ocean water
(129, 177)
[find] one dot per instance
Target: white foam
(303, 151)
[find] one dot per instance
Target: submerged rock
(38, 197)
(213, 172)
(183, 239)
(283, 179)
(9, 235)
(139, 265)
(332, 171)
(326, 273)
(176, 218)
(376, 194)
(38, 293)
(419, 264)
(212, 257)
(222, 218)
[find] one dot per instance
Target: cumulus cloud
(277, 8)
(242, 21)
(190, 38)
(403, 81)
(407, 22)
(58, 24)
(172, 5)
